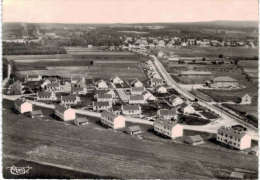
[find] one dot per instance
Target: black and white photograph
(130, 89)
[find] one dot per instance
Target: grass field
(213, 51)
(104, 152)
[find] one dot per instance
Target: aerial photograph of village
(120, 99)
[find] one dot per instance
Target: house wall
(69, 114)
(245, 142)
(25, 107)
(119, 122)
(177, 131)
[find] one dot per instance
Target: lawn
(193, 120)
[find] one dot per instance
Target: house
(189, 109)
(234, 136)
(104, 97)
(168, 128)
(175, 101)
(133, 130)
(65, 114)
(29, 78)
(70, 100)
(22, 106)
(154, 82)
(111, 120)
(80, 121)
(102, 105)
(136, 99)
(79, 90)
(105, 91)
(45, 82)
(137, 90)
(224, 82)
(167, 114)
(131, 109)
(136, 83)
(246, 99)
(149, 96)
(193, 140)
(117, 80)
(46, 96)
(101, 84)
(53, 87)
(161, 89)
(36, 114)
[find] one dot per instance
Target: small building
(117, 80)
(111, 120)
(136, 83)
(193, 140)
(55, 87)
(131, 109)
(65, 114)
(30, 78)
(168, 128)
(101, 84)
(175, 101)
(36, 114)
(167, 114)
(246, 99)
(149, 96)
(154, 82)
(22, 106)
(136, 99)
(46, 96)
(161, 90)
(79, 90)
(137, 90)
(70, 100)
(81, 121)
(104, 97)
(134, 130)
(234, 136)
(189, 109)
(224, 82)
(102, 105)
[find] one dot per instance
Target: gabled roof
(104, 96)
(69, 98)
(167, 112)
(136, 97)
(53, 85)
(129, 107)
(108, 114)
(44, 94)
(60, 108)
(102, 104)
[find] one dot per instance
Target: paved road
(228, 119)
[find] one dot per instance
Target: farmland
(213, 51)
(111, 153)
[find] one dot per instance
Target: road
(225, 116)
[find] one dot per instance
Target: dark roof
(44, 94)
(137, 89)
(75, 89)
(167, 112)
(81, 120)
(69, 98)
(53, 85)
(128, 107)
(134, 128)
(104, 96)
(136, 97)
(19, 102)
(100, 104)
(60, 108)
(37, 112)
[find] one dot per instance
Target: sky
(128, 11)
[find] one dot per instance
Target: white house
(137, 90)
(161, 89)
(101, 84)
(65, 114)
(131, 109)
(136, 99)
(117, 80)
(189, 109)
(70, 100)
(33, 78)
(22, 106)
(149, 96)
(154, 82)
(111, 120)
(175, 101)
(246, 99)
(168, 128)
(234, 136)
(46, 96)
(136, 83)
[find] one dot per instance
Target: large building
(167, 114)
(131, 109)
(137, 99)
(22, 106)
(234, 136)
(224, 82)
(111, 120)
(65, 114)
(70, 100)
(46, 96)
(168, 128)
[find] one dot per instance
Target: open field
(104, 152)
(213, 51)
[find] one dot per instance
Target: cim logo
(19, 170)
